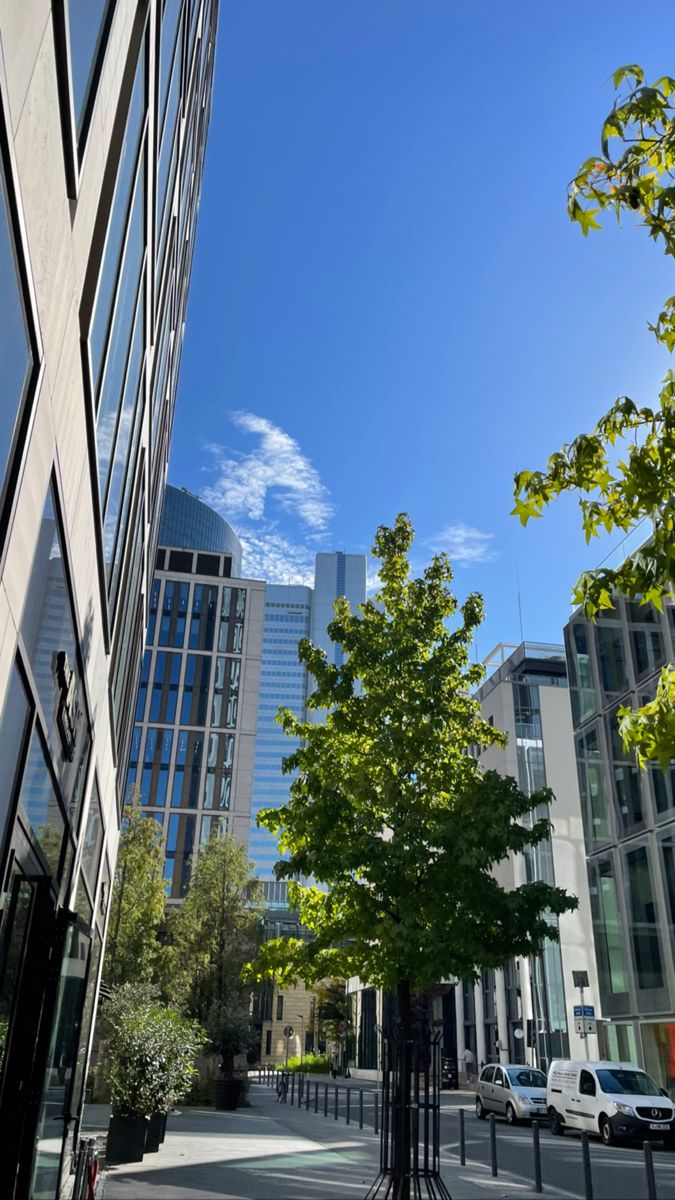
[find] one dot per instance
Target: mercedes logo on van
(655, 1112)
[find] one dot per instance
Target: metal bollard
(586, 1159)
(462, 1139)
(649, 1169)
(349, 1105)
(325, 1100)
(293, 1088)
(360, 1108)
(316, 1097)
(493, 1144)
(537, 1157)
(375, 1097)
(336, 1100)
(308, 1083)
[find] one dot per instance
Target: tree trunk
(402, 1111)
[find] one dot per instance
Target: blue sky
(389, 309)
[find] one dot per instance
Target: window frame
(75, 144)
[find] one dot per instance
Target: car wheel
(557, 1126)
(511, 1118)
(480, 1111)
(606, 1131)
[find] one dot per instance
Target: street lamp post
(302, 1035)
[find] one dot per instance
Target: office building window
(187, 774)
(180, 843)
(668, 857)
(15, 716)
(232, 615)
(156, 761)
(592, 788)
(582, 689)
(268, 1042)
(218, 785)
(41, 805)
(174, 614)
(164, 697)
(203, 621)
(195, 689)
(154, 604)
(51, 643)
(625, 780)
(143, 686)
(213, 827)
(226, 692)
(280, 1008)
(644, 920)
(607, 929)
(611, 656)
(15, 348)
(88, 23)
(646, 638)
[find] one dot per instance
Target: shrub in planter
(150, 1057)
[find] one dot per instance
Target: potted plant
(150, 1055)
(227, 1027)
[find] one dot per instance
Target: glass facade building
(629, 826)
(104, 110)
(191, 756)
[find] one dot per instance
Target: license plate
(661, 1128)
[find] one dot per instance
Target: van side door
(587, 1096)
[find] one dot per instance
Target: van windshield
(526, 1077)
(625, 1081)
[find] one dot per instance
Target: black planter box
(162, 1132)
(226, 1094)
(126, 1139)
(153, 1135)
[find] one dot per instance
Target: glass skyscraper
(292, 613)
(104, 110)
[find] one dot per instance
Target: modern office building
(292, 613)
(526, 1011)
(104, 108)
(197, 704)
(629, 825)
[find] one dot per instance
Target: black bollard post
(537, 1157)
(316, 1097)
(325, 1100)
(375, 1097)
(308, 1084)
(360, 1108)
(293, 1088)
(462, 1139)
(649, 1169)
(349, 1105)
(336, 1101)
(493, 1144)
(586, 1158)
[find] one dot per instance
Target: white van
(616, 1100)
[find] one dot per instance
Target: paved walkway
(271, 1152)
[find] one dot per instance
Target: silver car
(515, 1092)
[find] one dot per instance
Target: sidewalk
(271, 1152)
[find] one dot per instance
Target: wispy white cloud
(276, 471)
(270, 555)
(464, 545)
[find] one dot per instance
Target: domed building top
(190, 524)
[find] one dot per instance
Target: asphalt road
(618, 1172)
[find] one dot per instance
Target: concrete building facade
(192, 749)
(525, 1013)
(104, 109)
(629, 826)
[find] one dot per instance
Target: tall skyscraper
(104, 109)
(197, 704)
(292, 613)
(629, 826)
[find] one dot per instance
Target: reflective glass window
(165, 680)
(594, 805)
(156, 762)
(179, 848)
(203, 621)
(174, 613)
(218, 784)
(646, 639)
(643, 920)
(212, 827)
(92, 842)
(226, 692)
(129, 414)
(40, 804)
(86, 30)
(51, 643)
(195, 689)
(117, 221)
(188, 769)
(625, 780)
(15, 715)
(170, 17)
(154, 603)
(582, 688)
(607, 927)
(15, 351)
(611, 656)
(668, 856)
(143, 687)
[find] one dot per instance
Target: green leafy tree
(390, 811)
(212, 935)
(133, 951)
(634, 174)
(332, 1009)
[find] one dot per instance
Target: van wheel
(606, 1131)
(480, 1111)
(557, 1126)
(511, 1118)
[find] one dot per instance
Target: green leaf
(630, 72)
(586, 218)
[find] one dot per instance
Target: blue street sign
(584, 1010)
